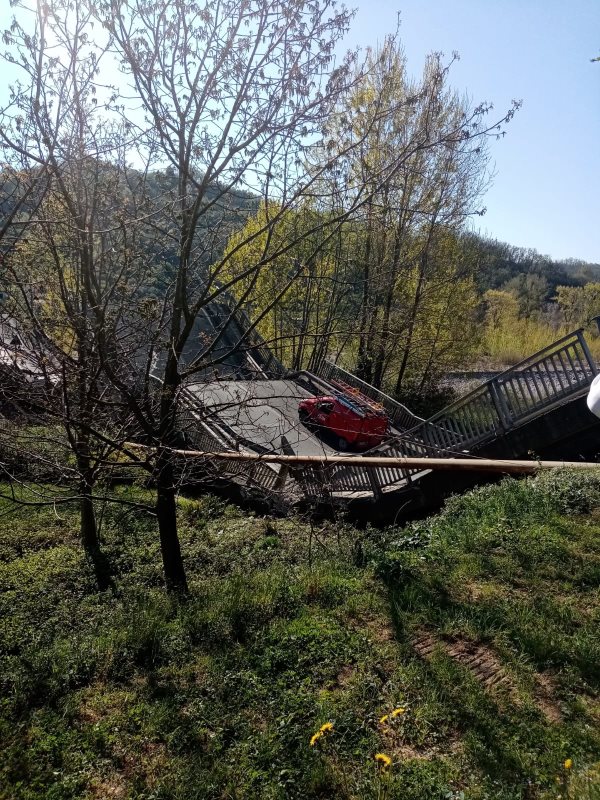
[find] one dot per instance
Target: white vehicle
(593, 398)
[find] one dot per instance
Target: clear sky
(546, 193)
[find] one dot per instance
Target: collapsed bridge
(536, 408)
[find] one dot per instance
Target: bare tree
(68, 271)
(233, 96)
(230, 108)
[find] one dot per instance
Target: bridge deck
(263, 415)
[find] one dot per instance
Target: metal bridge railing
(252, 473)
(560, 371)
(255, 345)
(209, 437)
(548, 378)
(400, 416)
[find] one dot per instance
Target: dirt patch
(485, 666)
(481, 662)
(478, 659)
(344, 676)
(147, 761)
(98, 704)
(399, 750)
(110, 788)
(591, 706)
(377, 627)
(134, 758)
(544, 696)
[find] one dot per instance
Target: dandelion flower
(397, 712)
(568, 763)
(327, 727)
(315, 738)
(383, 761)
(383, 719)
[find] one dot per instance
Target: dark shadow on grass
(102, 569)
(421, 602)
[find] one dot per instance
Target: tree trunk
(88, 528)
(166, 515)
(411, 327)
(390, 293)
(363, 365)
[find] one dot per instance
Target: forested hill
(228, 209)
(500, 262)
(507, 301)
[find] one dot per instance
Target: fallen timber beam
(449, 464)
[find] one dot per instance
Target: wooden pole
(450, 464)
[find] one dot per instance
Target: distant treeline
(500, 263)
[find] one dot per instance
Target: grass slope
(481, 624)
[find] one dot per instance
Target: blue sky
(546, 192)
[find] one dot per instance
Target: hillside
(478, 627)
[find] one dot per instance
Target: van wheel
(303, 417)
(342, 444)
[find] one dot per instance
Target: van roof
(358, 401)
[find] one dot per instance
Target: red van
(352, 417)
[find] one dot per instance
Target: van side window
(325, 407)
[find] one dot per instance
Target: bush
(570, 491)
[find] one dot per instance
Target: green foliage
(131, 694)
(499, 263)
(292, 280)
(570, 491)
(527, 300)
(531, 292)
(516, 326)
(579, 304)
(505, 570)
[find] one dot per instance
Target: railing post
(502, 410)
(250, 474)
(586, 350)
(374, 483)
(281, 478)
(287, 450)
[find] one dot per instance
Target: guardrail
(399, 415)
(210, 438)
(344, 478)
(548, 378)
(255, 345)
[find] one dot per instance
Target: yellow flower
(383, 719)
(383, 761)
(568, 763)
(315, 738)
(327, 727)
(397, 712)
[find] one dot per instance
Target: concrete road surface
(262, 412)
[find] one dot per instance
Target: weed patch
(480, 624)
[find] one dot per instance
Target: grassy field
(479, 628)
(517, 339)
